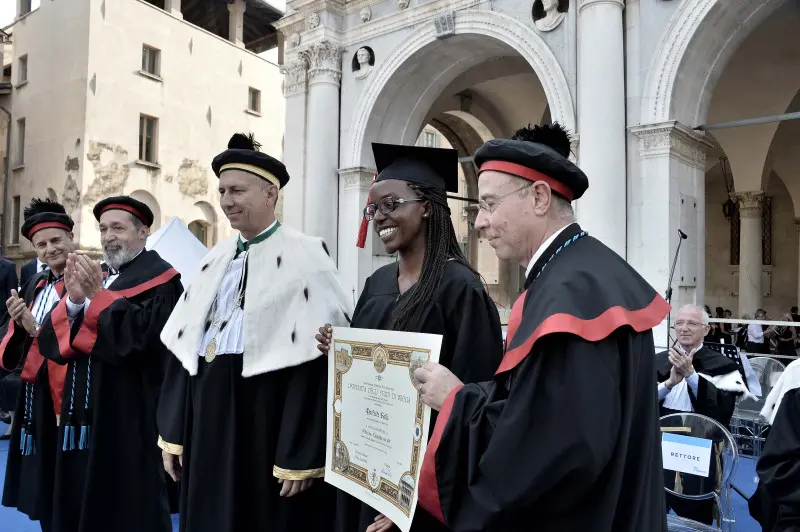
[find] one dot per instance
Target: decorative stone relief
(325, 63)
(445, 25)
(674, 140)
(750, 203)
(192, 179)
(546, 15)
(366, 15)
(294, 40)
(402, 4)
(362, 62)
(110, 165)
(313, 21)
(295, 74)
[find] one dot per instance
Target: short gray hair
(562, 207)
(697, 308)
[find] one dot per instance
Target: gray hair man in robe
(242, 416)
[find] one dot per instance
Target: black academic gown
(239, 435)
(776, 503)
(710, 401)
(472, 347)
(109, 473)
(29, 477)
(566, 435)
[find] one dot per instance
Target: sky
(8, 8)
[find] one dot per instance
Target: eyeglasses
(487, 207)
(386, 205)
(689, 324)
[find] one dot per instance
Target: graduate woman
(431, 289)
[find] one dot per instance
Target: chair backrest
(768, 370)
(714, 458)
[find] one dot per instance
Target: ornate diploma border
(400, 494)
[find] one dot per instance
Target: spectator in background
(29, 269)
(757, 336)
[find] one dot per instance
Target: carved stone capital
(672, 139)
(325, 63)
(588, 3)
(750, 203)
(295, 77)
(357, 178)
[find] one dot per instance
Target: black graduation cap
(44, 214)
(242, 154)
(125, 203)
(433, 167)
(538, 153)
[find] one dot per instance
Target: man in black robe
(104, 340)
(776, 503)
(694, 378)
(242, 417)
(566, 436)
(31, 456)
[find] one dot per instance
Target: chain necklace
(218, 323)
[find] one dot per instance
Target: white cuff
(662, 391)
(74, 309)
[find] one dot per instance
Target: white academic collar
(543, 247)
(243, 239)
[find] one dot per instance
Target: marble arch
(694, 49)
(378, 106)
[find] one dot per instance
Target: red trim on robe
(57, 376)
(515, 318)
(592, 330)
(428, 494)
(4, 344)
(33, 361)
(527, 173)
(87, 334)
(61, 326)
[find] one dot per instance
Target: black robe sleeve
(130, 325)
(14, 344)
(474, 324)
(173, 407)
(300, 452)
(556, 427)
(779, 466)
(713, 402)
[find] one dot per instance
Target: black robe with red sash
(566, 436)
(32, 451)
(109, 473)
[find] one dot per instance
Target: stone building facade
(647, 87)
(136, 97)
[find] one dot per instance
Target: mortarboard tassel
(362, 231)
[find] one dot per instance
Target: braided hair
(441, 246)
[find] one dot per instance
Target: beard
(118, 254)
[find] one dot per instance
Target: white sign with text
(686, 454)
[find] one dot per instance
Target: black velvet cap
(44, 214)
(242, 154)
(536, 153)
(433, 167)
(127, 204)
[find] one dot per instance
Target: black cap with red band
(45, 214)
(538, 153)
(127, 204)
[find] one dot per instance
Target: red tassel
(362, 231)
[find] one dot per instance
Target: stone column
(355, 264)
(236, 22)
(173, 7)
(750, 206)
(666, 193)
(322, 148)
(295, 90)
(601, 120)
(797, 224)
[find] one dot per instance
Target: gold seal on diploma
(380, 358)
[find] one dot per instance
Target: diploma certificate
(377, 422)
